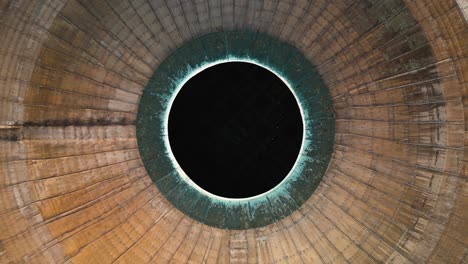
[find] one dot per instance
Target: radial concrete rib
(73, 186)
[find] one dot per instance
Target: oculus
(169, 174)
(235, 129)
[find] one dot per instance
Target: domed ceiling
(76, 186)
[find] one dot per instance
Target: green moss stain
(313, 98)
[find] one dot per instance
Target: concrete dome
(74, 189)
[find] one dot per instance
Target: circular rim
(182, 173)
(314, 103)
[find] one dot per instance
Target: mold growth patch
(316, 146)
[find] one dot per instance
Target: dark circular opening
(235, 129)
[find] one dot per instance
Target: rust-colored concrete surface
(72, 184)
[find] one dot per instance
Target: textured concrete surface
(72, 184)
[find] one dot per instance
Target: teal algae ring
(317, 143)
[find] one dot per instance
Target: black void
(235, 129)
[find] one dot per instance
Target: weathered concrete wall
(73, 187)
